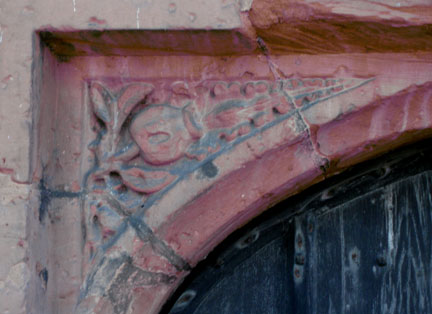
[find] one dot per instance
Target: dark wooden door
(357, 244)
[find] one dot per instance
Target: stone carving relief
(151, 135)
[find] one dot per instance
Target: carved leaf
(146, 181)
(131, 96)
(102, 101)
(127, 152)
(191, 125)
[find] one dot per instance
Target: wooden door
(361, 243)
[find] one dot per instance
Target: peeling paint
(4, 82)
(245, 5)
(192, 17)
(172, 7)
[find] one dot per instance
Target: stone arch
(260, 100)
(226, 192)
(343, 142)
(174, 145)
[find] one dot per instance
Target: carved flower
(115, 147)
(163, 133)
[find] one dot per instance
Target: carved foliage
(150, 134)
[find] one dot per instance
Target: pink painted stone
(163, 92)
(384, 124)
(163, 133)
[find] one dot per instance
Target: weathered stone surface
(232, 199)
(136, 135)
(14, 270)
(219, 152)
(20, 18)
(317, 27)
(170, 166)
(384, 124)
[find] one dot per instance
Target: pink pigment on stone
(151, 124)
(162, 143)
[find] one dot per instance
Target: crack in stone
(278, 74)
